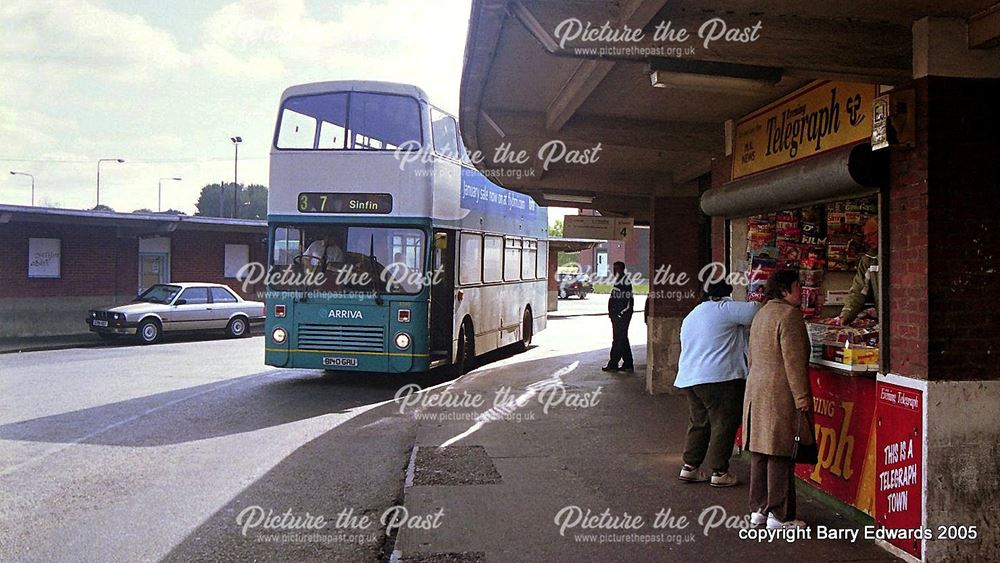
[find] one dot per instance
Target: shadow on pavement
(221, 408)
(360, 466)
(215, 409)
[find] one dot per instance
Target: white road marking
(500, 411)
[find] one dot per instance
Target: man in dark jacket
(620, 307)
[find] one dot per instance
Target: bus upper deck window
(383, 121)
(302, 116)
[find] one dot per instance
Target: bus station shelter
(763, 107)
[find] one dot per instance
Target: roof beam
(587, 75)
(590, 72)
(673, 136)
(807, 46)
(984, 28)
(618, 183)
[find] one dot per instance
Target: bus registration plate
(340, 362)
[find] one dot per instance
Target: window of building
(471, 258)
(44, 258)
(512, 260)
(493, 259)
(195, 295)
(529, 254)
(237, 256)
(222, 295)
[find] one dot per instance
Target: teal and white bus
(424, 261)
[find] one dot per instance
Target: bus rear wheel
(527, 331)
(466, 350)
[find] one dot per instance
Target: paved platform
(523, 484)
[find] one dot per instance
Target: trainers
(692, 474)
(724, 480)
(758, 518)
(773, 523)
(609, 368)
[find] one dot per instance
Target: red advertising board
(844, 411)
(899, 483)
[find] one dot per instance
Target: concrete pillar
(674, 261)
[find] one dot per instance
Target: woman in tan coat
(777, 390)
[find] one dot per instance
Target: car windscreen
(159, 293)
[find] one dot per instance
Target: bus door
(442, 310)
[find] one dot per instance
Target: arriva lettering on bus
(344, 314)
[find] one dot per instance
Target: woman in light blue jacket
(712, 371)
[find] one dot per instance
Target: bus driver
(324, 251)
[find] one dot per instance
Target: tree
(143, 210)
(556, 228)
(172, 211)
(251, 202)
(102, 207)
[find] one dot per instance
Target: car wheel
(583, 295)
(237, 327)
(149, 331)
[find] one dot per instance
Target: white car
(178, 307)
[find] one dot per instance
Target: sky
(165, 84)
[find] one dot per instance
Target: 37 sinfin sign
(821, 116)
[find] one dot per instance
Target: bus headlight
(402, 341)
(279, 335)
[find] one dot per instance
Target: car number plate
(100, 323)
(340, 362)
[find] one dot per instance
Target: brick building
(56, 264)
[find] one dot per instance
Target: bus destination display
(321, 202)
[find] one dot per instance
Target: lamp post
(236, 159)
(16, 173)
(118, 160)
(159, 194)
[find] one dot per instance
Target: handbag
(804, 453)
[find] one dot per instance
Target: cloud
(53, 39)
(403, 41)
(81, 82)
(28, 129)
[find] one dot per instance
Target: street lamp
(159, 193)
(118, 160)
(236, 158)
(15, 173)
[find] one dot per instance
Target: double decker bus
(389, 252)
